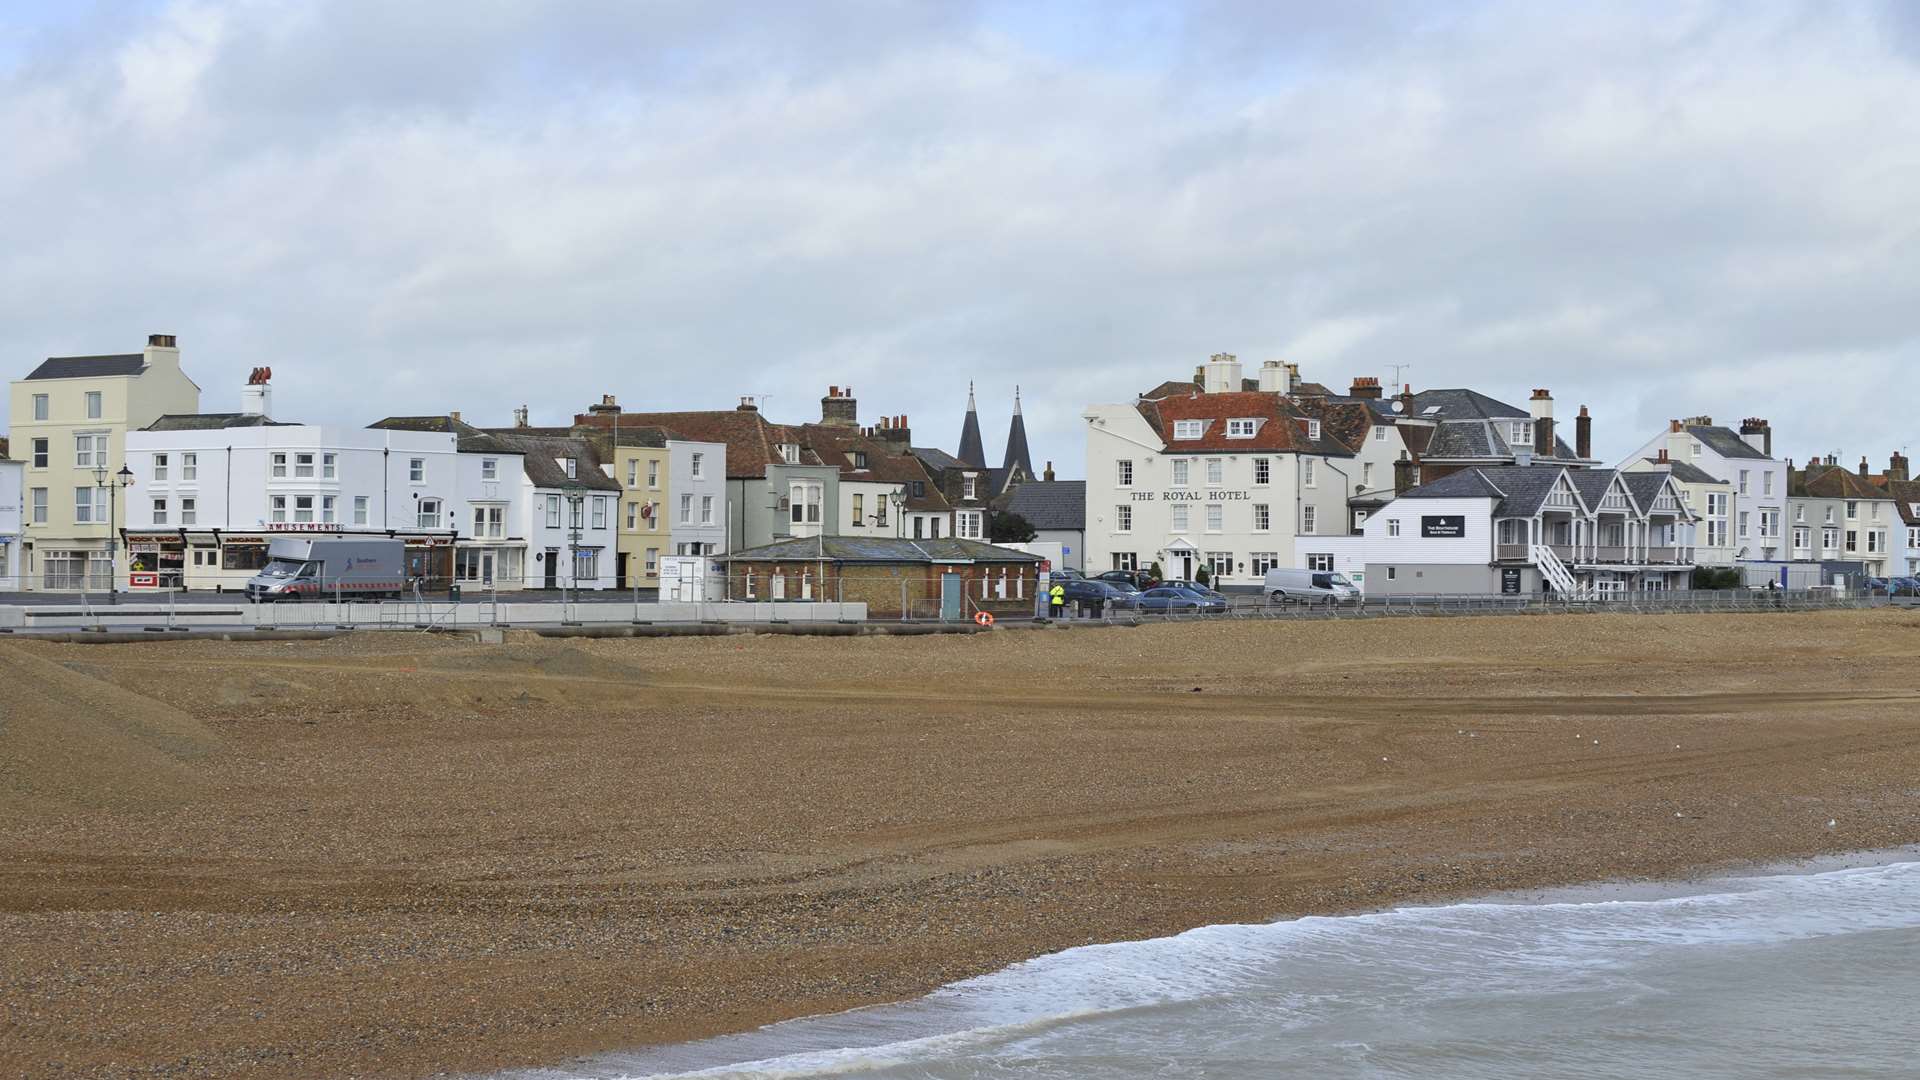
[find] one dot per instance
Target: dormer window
(1517, 432)
(859, 459)
(969, 487)
(1313, 429)
(1242, 427)
(790, 453)
(1188, 429)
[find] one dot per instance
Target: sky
(1653, 209)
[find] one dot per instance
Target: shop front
(490, 565)
(156, 560)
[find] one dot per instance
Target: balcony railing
(1516, 552)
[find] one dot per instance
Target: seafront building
(1743, 525)
(12, 491)
(68, 422)
(1843, 523)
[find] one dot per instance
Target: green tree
(1007, 527)
(1202, 576)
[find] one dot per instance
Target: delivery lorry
(325, 568)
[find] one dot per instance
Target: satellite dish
(1399, 406)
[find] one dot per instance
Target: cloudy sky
(1651, 209)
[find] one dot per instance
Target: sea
(1790, 975)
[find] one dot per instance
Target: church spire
(1017, 441)
(972, 451)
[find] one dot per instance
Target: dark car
(1132, 579)
(1191, 587)
(1906, 586)
(1106, 594)
(1166, 598)
(1876, 585)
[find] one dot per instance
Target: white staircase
(1557, 574)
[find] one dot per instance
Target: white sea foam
(1477, 989)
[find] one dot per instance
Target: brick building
(949, 577)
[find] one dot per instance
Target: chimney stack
(455, 414)
(1365, 386)
(1221, 374)
(1758, 434)
(608, 406)
(1048, 474)
(257, 398)
(1273, 377)
(1293, 378)
(520, 417)
(162, 350)
(838, 408)
(746, 404)
(1864, 469)
(1406, 400)
(1897, 467)
(1403, 475)
(1542, 409)
(1583, 436)
(1663, 460)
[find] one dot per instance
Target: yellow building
(640, 467)
(69, 419)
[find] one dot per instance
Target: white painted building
(12, 523)
(1212, 474)
(1748, 522)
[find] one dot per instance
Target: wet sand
(403, 855)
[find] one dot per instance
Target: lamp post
(574, 501)
(102, 482)
(898, 498)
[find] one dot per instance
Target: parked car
(1166, 598)
(1104, 593)
(1906, 586)
(1284, 586)
(1133, 579)
(1877, 586)
(1191, 587)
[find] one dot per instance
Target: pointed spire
(972, 452)
(1017, 441)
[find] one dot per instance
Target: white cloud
(1655, 210)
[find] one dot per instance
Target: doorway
(552, 568)
(620, 570)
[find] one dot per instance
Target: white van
(1308, 587)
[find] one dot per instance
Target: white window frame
(1242, 427)
(361, 504)
(277, 509)
(159, 511)
(1309, 519)
(417, 470)
(189, 467)
(42, 407)
(706, 510)
(1216, 472)
(1309, 476)
(970, 524)
(1178, 517)
(1189, 429)
(37, 506)
(279, 463)
(1123, 518)
(1216, 517)
(96, 403)
(1180, 472)
(696, 463)
(1313, 429)
(1262, 517)
(599, 512)
(189, 510)
(489, 468)
(1393, 526)
(329, 466)
(329, 509)
(303, 466)
(1123, 472)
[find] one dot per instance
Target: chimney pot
(161, 341)
(1583, 435)
(1663, 455)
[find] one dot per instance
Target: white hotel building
(1216, 474)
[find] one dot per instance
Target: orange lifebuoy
(985, 618)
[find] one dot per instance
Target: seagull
(1831, 823)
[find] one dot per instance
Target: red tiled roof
(1283, 428)
(886, 463)
(751, 439)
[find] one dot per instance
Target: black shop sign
(1510, 580)
(1443, 526)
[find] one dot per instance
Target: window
(1241, 428)
(1380, 433)
(1743, 481)
(93, 404)
(189, 511)
(89, 505)
(1262, 517)
(1180, 472)
(1366, 474)
(1802, 536)
(967, 525)
(327, 511)
(1853, 511)
(919, 489)
(1320, 562)
(1853, 541)
(860, 508)
(1262, 471)
(1313, 429)
(1126, 560)
(789, 453)
(1508, 531)
(303, 507)
(880, 510)
(686, 507)
(653, 473)
(39, 406)
(599, 511)
(1188, 429)
(653, 560)
(1830, 539)
(189, 467)
(1517, 433)
(1123, 518)
(303, 465)
(586, 564)
(653, 516)
(1216, 471)
(1743, 525)
(159, 468)
(490, 522)
(278, 508)
(572, 466)
(39, 453)
(89, 450)
(489, 468)
(1717, 503)
(553, 511)
(933, 528)
(327, 462)
(428, 516)
(39, 506)
(1123, 473)
(576, 512)
(633, 474)
(1219, 562)
(1829, 515)
(1876, 541)
(1800, 512)
(417, 470)
(1308, 472)
(279, 466)
(633, 515)
(1216, 517)
(1393, 526)
(1263, 561)
(1769, 523)
(1179, 517)
(859, 459)
(969, 487)
(1307, 515)
(696, 463)
(159, 511)
(1766, 482)
(359, 509)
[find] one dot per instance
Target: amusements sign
(1443, 526)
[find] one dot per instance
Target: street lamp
(574, 501)
(898, 497)
(102, 482)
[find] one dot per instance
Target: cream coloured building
(69, 419)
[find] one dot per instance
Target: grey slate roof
(471, 440)
(880, 549)
(1521, 489)
(1592, 484)
(542, 460)
(1051, 504)
(1726, 442)
(1690, 474)
(1464, 405)
(213, 422)
(88, 367)
(1480, 439)
(938, 460)
(1645, 487)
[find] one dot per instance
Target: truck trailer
(325, 568)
